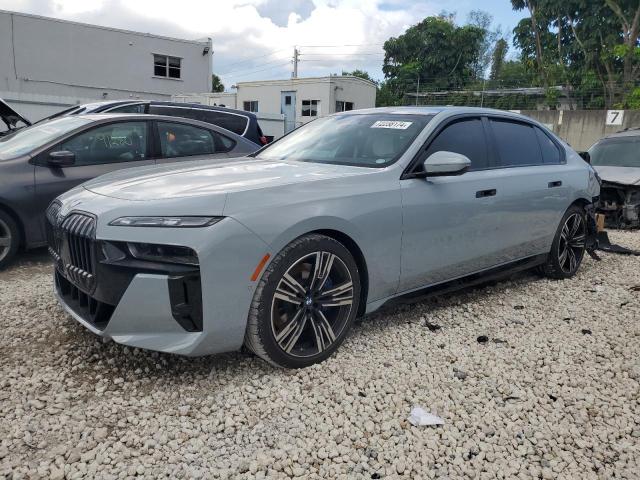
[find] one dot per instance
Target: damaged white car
(616, 158)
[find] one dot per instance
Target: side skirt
(473, 280)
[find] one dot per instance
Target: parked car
(281, 252)
(616, 158)
(40, 162)
(11, 119)
(239, 122)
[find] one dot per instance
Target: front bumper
(142, 318)
(178, 309)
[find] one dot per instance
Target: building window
(250, 106)
(310, 108)
(343, 106)
(287, 100)
(165, 66)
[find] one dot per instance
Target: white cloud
(250, 37)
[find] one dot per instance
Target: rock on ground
(538, 399)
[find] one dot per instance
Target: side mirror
(440, 164)
(585, 156)
(61, 158)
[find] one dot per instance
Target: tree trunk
(536, 33)
(630, 32)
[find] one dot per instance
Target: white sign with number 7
(615, 117)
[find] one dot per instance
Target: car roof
(109, 103)
(627, 132)
(433, 110)
(202, 107)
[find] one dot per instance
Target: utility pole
(296, 54)
(417, 90)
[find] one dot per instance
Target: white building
(298, 99)
(47, 65)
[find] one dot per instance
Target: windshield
(616, 152)
(28, 139)
(363, 140)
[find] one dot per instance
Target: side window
(465, 137)
(517, 143)
(550, 151)
(180, 140)
(135, 108)
(234, 123)
(116, 142)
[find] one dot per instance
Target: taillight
(263, 140)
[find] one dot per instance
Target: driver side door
(98, 150)
(451, 224)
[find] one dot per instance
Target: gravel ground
(552, 393)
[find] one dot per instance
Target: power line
(263, 69)
(251, 59)
(340, 54)
(233, 72)
(338, 46)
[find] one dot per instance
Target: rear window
(550, 151)
(176, 112)
(517, 143)
(234, 123)
(616, 152)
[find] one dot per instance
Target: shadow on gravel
(388, 315)
(28, 263)
(91, 355)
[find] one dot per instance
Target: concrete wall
(74, 63)
(582, 128)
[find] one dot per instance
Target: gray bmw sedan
(282, 251)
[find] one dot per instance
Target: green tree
(435, 54)
(483, 21)
(498, 58)
(360, 74)
(216, 84)
(573, 42)
(627, 12)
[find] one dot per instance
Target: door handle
(486, 193)
(557, 183)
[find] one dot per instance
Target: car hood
(193, 179)
(621, 175)
(10, 116)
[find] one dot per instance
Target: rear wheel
(9, 239)
(305, 303)
(567, 250)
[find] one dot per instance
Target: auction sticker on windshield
(396, 125)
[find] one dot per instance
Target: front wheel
(9, 239)
(305, 303)
(567, 250)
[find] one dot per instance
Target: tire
(299, 317)
(9, 239)
(568, 247)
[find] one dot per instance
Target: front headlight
(172, 222)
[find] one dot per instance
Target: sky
(254, 39)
